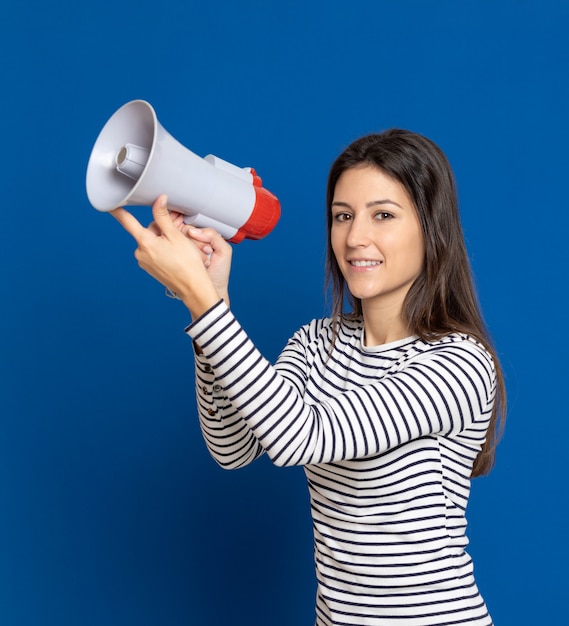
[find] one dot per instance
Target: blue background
(111, 511)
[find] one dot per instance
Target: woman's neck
(383, 325)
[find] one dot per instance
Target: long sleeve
(256, 406)
(227, 436)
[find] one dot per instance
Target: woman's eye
(342, 217)
(383, 216)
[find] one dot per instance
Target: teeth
(364, 263)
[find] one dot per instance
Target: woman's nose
(358, 235)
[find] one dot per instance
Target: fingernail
(164, 201)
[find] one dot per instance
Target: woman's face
(376, 237)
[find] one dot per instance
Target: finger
(181, 225)
(204, 247)
(208, 235)
(162, 217)
(199, 234)
(177, 220)
(175, 215)
(128, 222)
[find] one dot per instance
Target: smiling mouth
(365, 263)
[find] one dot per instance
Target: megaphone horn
(135, 159)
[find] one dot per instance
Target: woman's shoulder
(456, 340)
(455, 346)
(328, 327)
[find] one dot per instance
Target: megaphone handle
(202, 221)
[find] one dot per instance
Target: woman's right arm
(227, 436)
(446, 390)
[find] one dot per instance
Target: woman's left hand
(217, 252)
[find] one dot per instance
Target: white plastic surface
(131, 160)
(223, 196)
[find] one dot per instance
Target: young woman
(391, 409)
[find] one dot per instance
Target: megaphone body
(135, 159)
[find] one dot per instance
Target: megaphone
(135, 159)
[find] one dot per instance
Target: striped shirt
(387, 436)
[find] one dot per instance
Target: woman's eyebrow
(369, 205)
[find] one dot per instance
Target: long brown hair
(442, 300)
